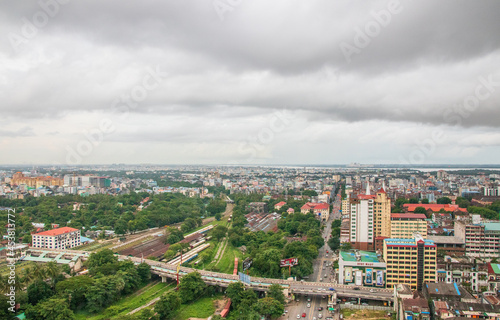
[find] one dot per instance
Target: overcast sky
(249, 82)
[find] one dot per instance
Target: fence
(360, 307)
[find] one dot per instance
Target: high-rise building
(370, 217)
(404, 225)
(382, 214)
(410, 261)
(361, 220)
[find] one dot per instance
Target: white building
(60, 238)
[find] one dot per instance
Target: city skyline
(249, 83)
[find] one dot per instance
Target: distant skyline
(249, 82)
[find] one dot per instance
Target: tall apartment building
(404, 225)
(410, 261)
(382, 213)
(60, 238)
(19, 178)
(482, 240)
(370, 217)
(361, 222)
(346, 206)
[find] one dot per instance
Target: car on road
(314, 318)
(320, 316)
(356, 288)
(298, 316)
(320, 279)
(308, 299)
(331, 289)
(373, 290)
(320, 308)
(308, 305)
(304, 315)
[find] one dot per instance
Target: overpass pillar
(163, 278)
(359, 300)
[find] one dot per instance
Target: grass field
(202, 308)
(128, 303)
(94, 246)
(5, 270)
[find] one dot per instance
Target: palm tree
(52, 270)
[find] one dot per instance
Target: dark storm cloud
(422, 66)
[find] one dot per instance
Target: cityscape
(249, 160)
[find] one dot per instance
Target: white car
(298, 316)
(308, 305)
(320, 316)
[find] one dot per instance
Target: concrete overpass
(165, 270)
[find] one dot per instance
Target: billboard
(359, 277)
(380, 277)
(247, 263)
(368, 276)
(348, 274)
(289, 262)
(244, 277)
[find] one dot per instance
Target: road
(323, 272)
(298, 308)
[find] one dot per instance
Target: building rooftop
(361, 256)
(56, 232)
(407, 242)
(446, 239)
(492, 226)
(408, 216)
(450, 290)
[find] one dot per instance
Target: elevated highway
(165, 270)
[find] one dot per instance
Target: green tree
(269, 307)
(218, 216)
(76, 288)
(191, 287)
(168, 304)
(276, 292)
(100, 259)
(443, 200)
(219, 232)
(144, 272)
(413, 200)
(51, 309)
(4, 307)
(346, 246)
(425, 201)
(235, 292)
(39, 291)
(420, 210)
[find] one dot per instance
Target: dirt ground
(366, 315)
(219, 305)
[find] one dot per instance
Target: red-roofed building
(279, 205)
(321, 210)
(410, 207)
(60, 238)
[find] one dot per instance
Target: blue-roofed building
(410, 261)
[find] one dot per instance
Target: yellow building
(19, 178)
(410, 261)
(404, 225)
(382, 214)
